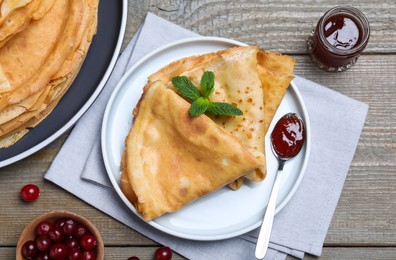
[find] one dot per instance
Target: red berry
(29, 249)
(133, 258)
(81, 230)
(43, 228)
(56, 235)
(59, 222)
(88, 242)
(75, 254)
(43, 256)
(163, 253)
(69, 227)
(58, 251)
(29, 192)
(72, 242)
(43, 243)
(89, 255)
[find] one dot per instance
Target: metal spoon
(287, 139)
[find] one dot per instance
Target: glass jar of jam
(339, 38)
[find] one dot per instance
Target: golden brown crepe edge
(279, 66)
(63, 83)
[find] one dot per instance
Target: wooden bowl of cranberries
(60, 235)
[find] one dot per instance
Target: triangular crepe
(236, 82)
(275, 71)
(172, 159)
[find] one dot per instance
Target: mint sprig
(186, 88)
(200, 101)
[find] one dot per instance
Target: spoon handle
(266, 225)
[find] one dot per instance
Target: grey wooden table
(364, 223)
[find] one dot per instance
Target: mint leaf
(220, 108)
(199, 106)
(186, 88)
(207, 84)
(200, 102)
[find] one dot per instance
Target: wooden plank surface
(364, 224)
(146, 253)
(275, 25)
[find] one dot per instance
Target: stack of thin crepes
(171, 159)
(43, 44)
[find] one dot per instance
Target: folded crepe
(276, 72)
(250, 78)
(236, 82)
(171, 159)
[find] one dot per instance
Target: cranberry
(29, 192)
(43, 256)
(133, 258)
(88, 242)
(81, 230)
(56, 235)
(58, 251)
(89, 255)
(43, 228)
(29, 249)
(43, 243)
(69, 227)
(75, 254)
(72, 242)
(59, 222)
(163, 253)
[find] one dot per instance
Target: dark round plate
(93, 75)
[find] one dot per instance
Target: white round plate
(221, 214)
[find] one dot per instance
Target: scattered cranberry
(29, 249)
(133, 258)
(163, 253)
(29, 192)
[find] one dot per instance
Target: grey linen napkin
(299, 228)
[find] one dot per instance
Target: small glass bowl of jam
(339, 38)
